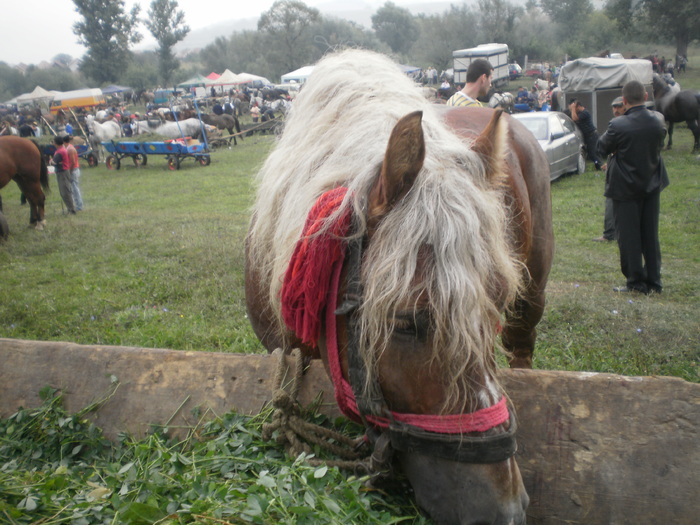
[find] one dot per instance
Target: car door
(558, 146)
(572, 144)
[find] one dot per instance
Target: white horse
(190, 127)
(100, 132)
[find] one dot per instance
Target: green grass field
(156, 260)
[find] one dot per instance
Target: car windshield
(537, 126)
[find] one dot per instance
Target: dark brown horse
(21, 160)
(225, 121)
(395, 239)
(682, 106)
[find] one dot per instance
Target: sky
(41, 29)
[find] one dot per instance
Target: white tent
(38, 95)
(228, 77)
(246, 78)
(299, 76)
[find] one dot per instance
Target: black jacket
(636, 168)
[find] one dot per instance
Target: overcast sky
(36, 30)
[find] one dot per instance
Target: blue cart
(175, 151)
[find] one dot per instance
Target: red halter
(311, 283)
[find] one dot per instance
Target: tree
(498, 19)
(165, 23)
(441, 34)
(286, 27)
(107, 32)
(569, 13)
(674, 20)
(396, 26)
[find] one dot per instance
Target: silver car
(560, 139)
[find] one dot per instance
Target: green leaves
(56, 465)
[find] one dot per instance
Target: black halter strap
(370, 399)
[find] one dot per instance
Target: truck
(79, 98)
(496, 54)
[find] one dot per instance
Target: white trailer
(496, 54)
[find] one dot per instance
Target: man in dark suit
(635, 178)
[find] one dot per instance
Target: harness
(449, 437)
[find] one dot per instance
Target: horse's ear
(402, 161)
(491, 146)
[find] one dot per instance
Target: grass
(156, 260)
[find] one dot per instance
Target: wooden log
(593, 448)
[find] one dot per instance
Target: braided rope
(296, 434)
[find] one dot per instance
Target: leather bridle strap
(444, 436)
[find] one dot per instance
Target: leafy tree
(12, 82)
(165, 23)
(441, 34)
(569, 13)
(63, 60)
(677, 21)
(285, 27)
(141, 74)
(498, 19)
(396, 26)
(107, 32)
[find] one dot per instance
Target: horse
(21, 160)
(395, 239)
(190, 127)
(99, 132)
(504, 100)
(225, 121)
(677, 107)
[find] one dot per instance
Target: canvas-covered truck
(596, 82)
(496, 54)
(79, 98)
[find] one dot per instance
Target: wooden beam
(593, 448)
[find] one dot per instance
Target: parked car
(559, 138)
(535, 70)
(514, 71)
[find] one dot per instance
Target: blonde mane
(336, 134)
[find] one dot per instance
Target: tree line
(292, 34)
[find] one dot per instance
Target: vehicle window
(538, 127)
(569, 126)
(556, 126)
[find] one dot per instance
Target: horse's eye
(412, 326)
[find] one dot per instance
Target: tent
(299, 76)
(213, 76)
(195, 81)
(39, 94)
(409, 70)
(596, 82)
(255, 80)
(113, 89)
(226, 78)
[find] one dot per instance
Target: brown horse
(225, 121)
(21, 160)
(395, 239)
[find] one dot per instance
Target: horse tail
(43, 171)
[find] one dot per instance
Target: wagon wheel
(92, 160)
(113, 163)
(204, 160)
(173, 163)
(139, 160)
(4, 228)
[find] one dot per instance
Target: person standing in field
(635, 178)
(74, 172)
(62, 163)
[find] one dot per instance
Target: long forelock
(336, 134)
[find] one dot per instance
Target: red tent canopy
(213, 76)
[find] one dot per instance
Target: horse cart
(175, 151)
